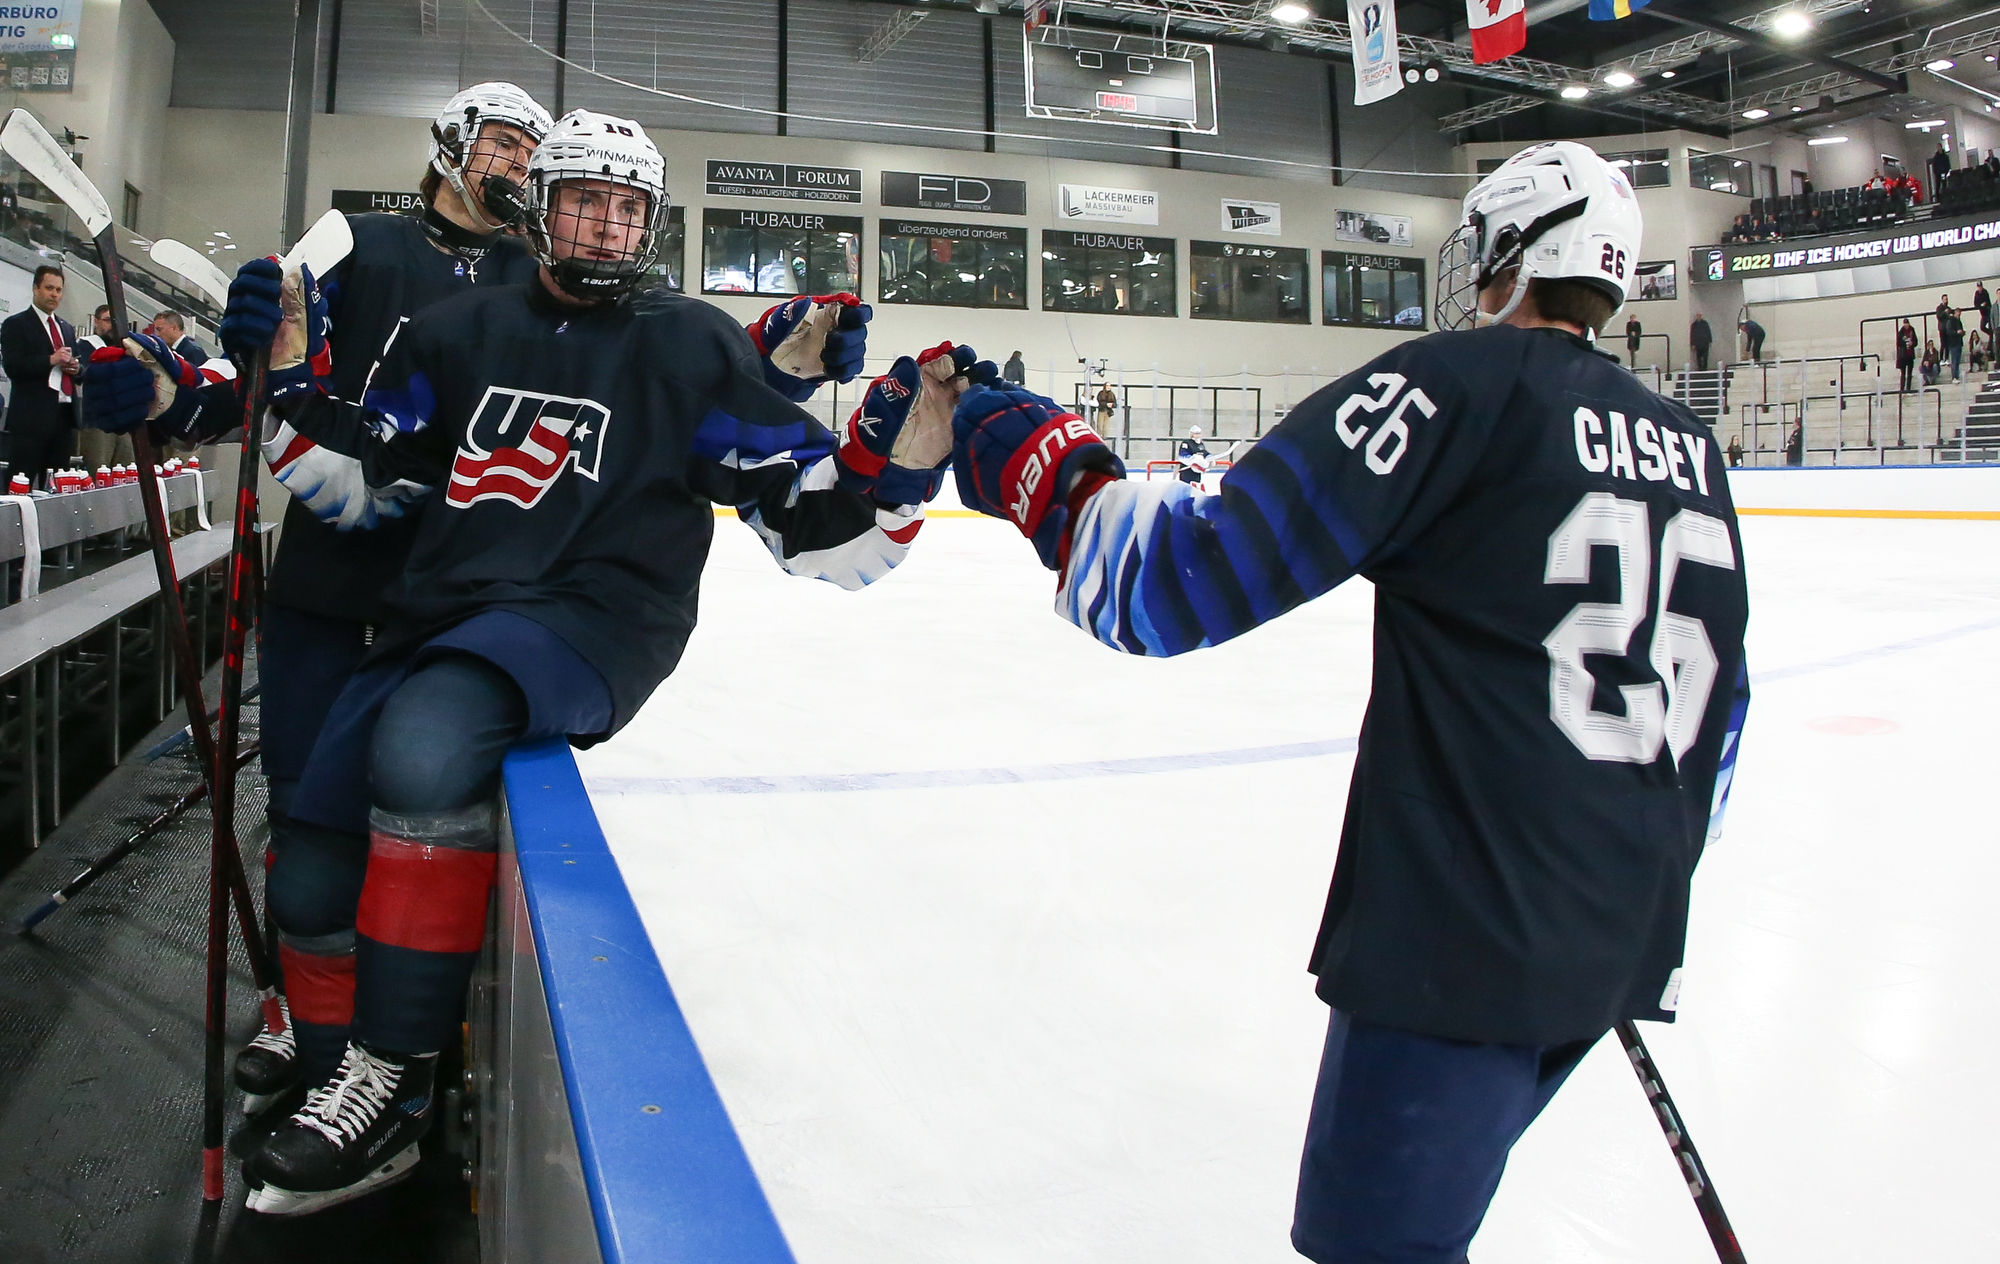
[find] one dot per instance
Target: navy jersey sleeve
(1350, 476)
(760, 454)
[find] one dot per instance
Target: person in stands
(1929, 366)
(1906, 353)
(1753, 339)
(1982, 302)
(1633, 332)
(1701, 338)
(1951, 332)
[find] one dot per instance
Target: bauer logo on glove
(897, 445)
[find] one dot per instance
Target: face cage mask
(596, 280)
(500, 203)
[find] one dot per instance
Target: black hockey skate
(268, 1065)
(355, 1134)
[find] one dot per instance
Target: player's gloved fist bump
(300, 356)
(812, 339)
(124, 387)
(897, 445)
(253, 313)
(1023, 457)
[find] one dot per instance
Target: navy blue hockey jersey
(569, 460)
(1559, 616)
(393, 272)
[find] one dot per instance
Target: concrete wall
(124, 71)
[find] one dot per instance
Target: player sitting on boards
(325, 594)
(1558, 682)
(567, 439)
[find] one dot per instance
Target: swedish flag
(1612, 10)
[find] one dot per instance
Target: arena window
(1229, 281)
(1718, 173)
(1646, 168)
(779, 252)
(1372, 290)
(670, 269)
(1107, 272)
(954, 265)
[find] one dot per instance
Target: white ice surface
(1067, 1019)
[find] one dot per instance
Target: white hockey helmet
(1556, 211)
(498, 202)
(586, 145)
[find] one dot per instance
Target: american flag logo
(520, 442)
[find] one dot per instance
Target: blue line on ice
(947, 778)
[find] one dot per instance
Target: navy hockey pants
(381, 887)
(1408, 1137)
(303, 662)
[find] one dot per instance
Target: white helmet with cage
(1556, 211)
(498, 202)
(585, 145)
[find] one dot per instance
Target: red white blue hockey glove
(1022, 457)
(126, 387)
(252, 315)
(300, 355)
(897, 445)
(810, 340)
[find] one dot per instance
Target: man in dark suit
(36, 350)
(172, 326)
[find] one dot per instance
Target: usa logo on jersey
(520, 442)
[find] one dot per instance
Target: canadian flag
(1499, 28)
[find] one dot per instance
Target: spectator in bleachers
(1983, 303)
(1795, 445)
(1906, 353)
(1633, 331)
(1753, 339)
(1736, 449)
(1940, 166)
(1700, 337)
(1951, 330)
(1991, 167)
(1976, 356)
(1928, 368)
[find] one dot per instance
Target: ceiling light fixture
(1666, 74)
(1827, 140)
(1942, 63)
(1923, 125)
(1798, 109)
(1790, 24)
(1619, 79)
(1758, 113)
(1291, 12)
(1575, 92)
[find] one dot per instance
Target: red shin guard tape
(319, 989)
(432, 899)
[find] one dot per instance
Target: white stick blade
(325, 244)
(178, 256)
(29, 143)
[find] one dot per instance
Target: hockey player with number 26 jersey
(1558, 682)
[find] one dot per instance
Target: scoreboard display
(1101, 77)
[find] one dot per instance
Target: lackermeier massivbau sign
(1119, 206)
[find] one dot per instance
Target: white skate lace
(285, 1043)
(341, 1110)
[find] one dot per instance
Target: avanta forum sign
(783, 180)
(1744, 261)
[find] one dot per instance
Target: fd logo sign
(520, 442)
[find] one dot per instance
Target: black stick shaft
(111, 859)
(1706, 1201)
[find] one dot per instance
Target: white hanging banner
(1378, 68)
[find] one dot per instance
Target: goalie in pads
(1558, 682)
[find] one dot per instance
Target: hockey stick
(1705, 1200)
(110, 860)
(178, 256)
(28, 143)
(186, 735)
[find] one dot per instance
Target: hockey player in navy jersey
(324, 596)
(1193, 456)
(1558, 682)
(559, 446)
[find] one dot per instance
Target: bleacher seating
(1819, 212)
(1969, 191)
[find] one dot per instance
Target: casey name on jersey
(1641, 450)
(519, 442)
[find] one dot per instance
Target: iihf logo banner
(1378, 67)
(520, 442)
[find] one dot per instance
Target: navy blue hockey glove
(810, 340)
(300, 356)
(252, 315)
(125, 387)
(897, 445)
(1022, 457)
